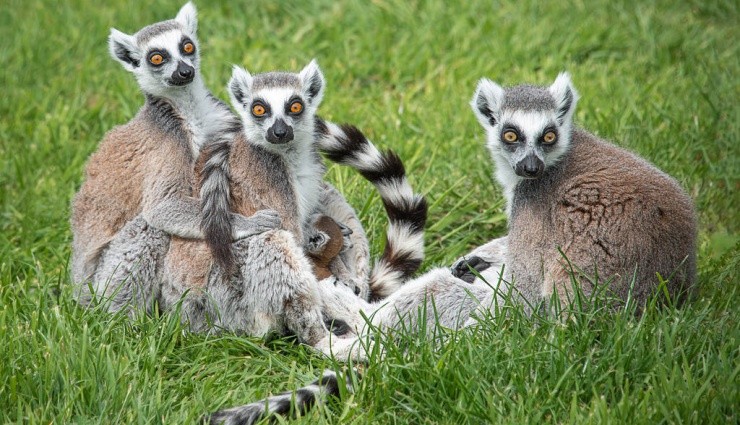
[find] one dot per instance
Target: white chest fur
(204, 116)
(307, 174)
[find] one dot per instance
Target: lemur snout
(184, 74)
(280, 132)
(530, 167)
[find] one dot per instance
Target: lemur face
(278, 108)
(163, 56)
(528, 128)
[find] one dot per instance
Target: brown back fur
(136, 165)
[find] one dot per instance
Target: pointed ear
(240, 85)
(188, 18)
(313, 83)
(123, 48)
(487, 102)
(565, 96)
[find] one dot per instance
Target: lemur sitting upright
(611, 213)
(280, 120)
(274, 164)
(138, 186)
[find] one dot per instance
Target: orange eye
(188, 48)
(510, 137)
(258, 110)
(156, 59)
(549, 137)
(296, 107)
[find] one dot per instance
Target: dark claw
(462, 269)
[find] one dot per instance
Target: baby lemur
(328, 241)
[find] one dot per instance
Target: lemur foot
(461, 269)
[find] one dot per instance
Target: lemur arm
(176, 216)
(181, 217)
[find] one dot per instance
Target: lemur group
(227, 219)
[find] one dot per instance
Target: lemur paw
(346, 237)
(259, 222)
(461, 269)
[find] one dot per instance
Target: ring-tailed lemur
(274, 164)
(266, 103)
(613, 214)
(138, 186)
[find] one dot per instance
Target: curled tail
(407, 211)
(281, 404)
(215, 198)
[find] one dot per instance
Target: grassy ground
(659, 77)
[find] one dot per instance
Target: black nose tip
(530, 167)
(280, 132)
(185, 72)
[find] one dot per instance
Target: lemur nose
(185, 72)
(530, 166)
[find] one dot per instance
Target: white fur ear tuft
(565, 96)
(123, 48)
(313, 82)
(239, 86)
(487, 102)
(188, 18)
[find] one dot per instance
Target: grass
(658, 77)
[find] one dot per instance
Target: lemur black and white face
(164, 56)
(528, 128)
(278, 108)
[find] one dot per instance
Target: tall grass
(658, 77)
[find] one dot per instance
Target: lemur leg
(436, 298)
(353, 263)
(129, 269)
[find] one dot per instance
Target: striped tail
(296, 402)
(407, 211)
(215, 198)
